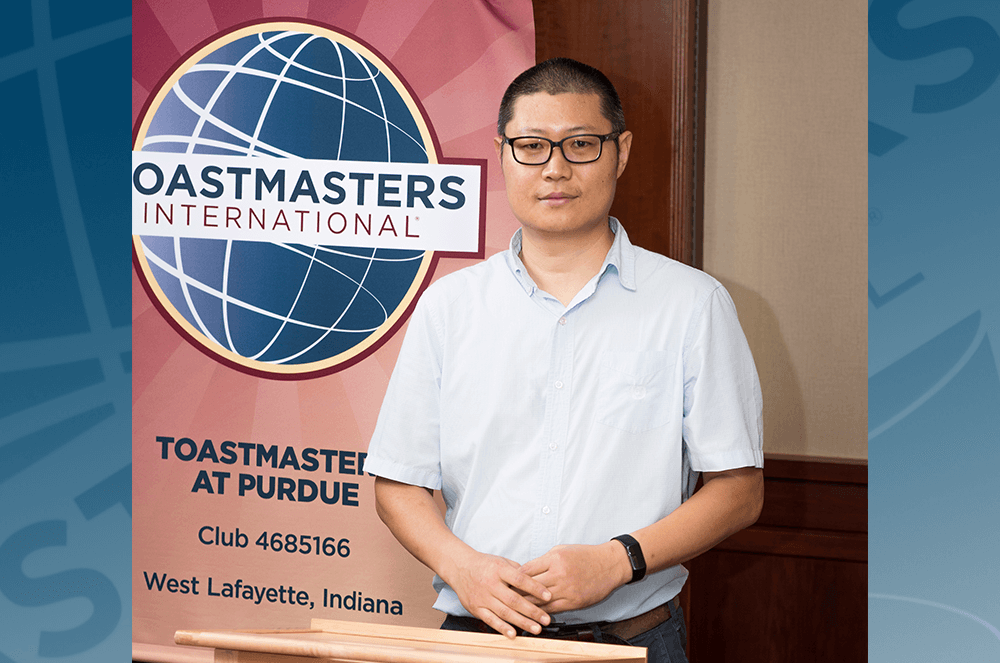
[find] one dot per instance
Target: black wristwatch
(635, 558)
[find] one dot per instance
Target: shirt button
(558, 384)
(638, 391)
(562, 321)
(553, 446)
(546, 510)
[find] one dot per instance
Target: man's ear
(498, 144)
(624, 145)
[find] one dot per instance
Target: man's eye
(531, 146)
(583, 143)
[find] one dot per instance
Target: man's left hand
(579, 575)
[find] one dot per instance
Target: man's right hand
(493, 589)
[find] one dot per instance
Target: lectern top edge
(352, 642)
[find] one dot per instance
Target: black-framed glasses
(536, 151)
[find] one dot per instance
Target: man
(565, 392)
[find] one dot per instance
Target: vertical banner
(300, 173)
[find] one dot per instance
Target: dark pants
(664, 643)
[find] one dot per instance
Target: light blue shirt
(545, 424)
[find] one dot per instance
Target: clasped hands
(508, 596)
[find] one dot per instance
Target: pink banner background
(456, 56)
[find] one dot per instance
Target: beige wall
(786, 187)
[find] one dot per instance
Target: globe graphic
(273, 95)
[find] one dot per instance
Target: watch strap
(635, 557)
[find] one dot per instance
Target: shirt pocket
(634, 390)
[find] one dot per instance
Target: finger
(553, 584)
(495, 623)
(523, 582)
(505, 620)
(528, 610)
(515, 608)
(557, 606)
(520, 614)
(548, 578)
(534, 601)
(535, 566)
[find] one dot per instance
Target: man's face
(559, 197)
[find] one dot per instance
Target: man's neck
(561, 265)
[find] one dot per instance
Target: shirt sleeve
(723, 422)
(406, 444)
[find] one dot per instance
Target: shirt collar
(621, 256)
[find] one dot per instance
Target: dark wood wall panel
(793, 587)
(649, 51)
(775, 609)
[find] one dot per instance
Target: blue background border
(65, 339)
(934, 305)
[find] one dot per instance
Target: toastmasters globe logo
(289, 201)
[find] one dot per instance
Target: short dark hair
(560, 76)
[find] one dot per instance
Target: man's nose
(557, 165)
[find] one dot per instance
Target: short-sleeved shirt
(544, 424)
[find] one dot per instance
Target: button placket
(556, 430)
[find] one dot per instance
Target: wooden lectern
(329, 641)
